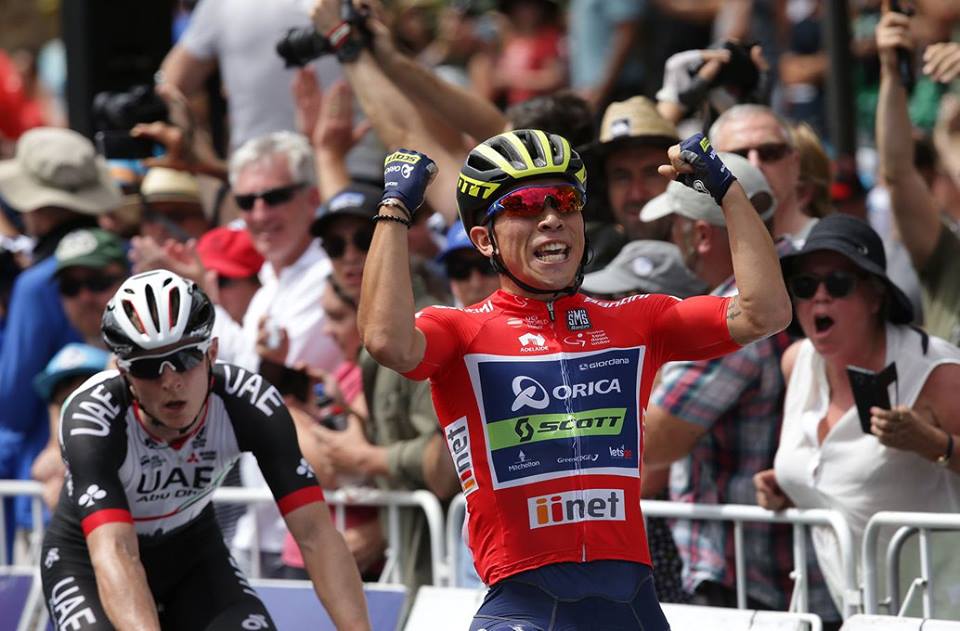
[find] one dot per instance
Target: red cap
(229, 252)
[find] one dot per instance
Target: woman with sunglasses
(134, 541)
(904, 459)
(540, 390)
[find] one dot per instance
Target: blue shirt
(591, 25)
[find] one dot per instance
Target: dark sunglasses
(839, 284)
(767, 152)
(462, 268)
(530, 201)
(180, 360)
(270, 197)
(72, 286)
(224, 282)
(336, 246)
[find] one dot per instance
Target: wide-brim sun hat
(854, 239)
(59, 168)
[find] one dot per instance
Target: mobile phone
(870, 389)
(286, 380)
(904, 61)
(118, 144)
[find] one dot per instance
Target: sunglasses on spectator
(336, 246)
(224, 282)
(462, 268)
(270, 197)
(180, 360)
(71, 286)
(530, 201)
(767, 152)
(839, 284)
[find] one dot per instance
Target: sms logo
(576, 506)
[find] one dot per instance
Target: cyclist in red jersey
(540, 390)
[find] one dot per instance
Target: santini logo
(529, 392)
(576, 506)
(458, 440)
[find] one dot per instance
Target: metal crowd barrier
(340, 498)
(910, 523)
(738, 514)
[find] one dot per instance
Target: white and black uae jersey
(118, 471)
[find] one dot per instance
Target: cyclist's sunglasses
(71, 286)
(336, 246)
(462, 268)
(767, 152)
(180, 360)
(529, 201)
(270, 197)
(839, 284)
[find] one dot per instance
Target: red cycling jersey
(541, 402)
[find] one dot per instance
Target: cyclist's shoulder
(245, 394)
(95, 406)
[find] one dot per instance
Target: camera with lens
(740, 72)
(123, 110)
(300, 46)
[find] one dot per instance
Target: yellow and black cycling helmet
(507, 158)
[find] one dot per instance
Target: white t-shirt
(851, 472)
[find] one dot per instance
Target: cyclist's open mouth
(174, 406)
(553, 252)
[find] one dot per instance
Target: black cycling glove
(710, 175)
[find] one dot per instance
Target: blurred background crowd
(211, 139)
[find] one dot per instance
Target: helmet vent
(133, 316)
(480, 163)
(174, 306)
(152, 305)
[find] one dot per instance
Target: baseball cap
(457, 239)
(356, 200)
(636, 118)
(89, 247)
(646, 267)
(70, 361)
(229, 252)
(685, 201)
(57, 167)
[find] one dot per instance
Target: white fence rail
(909, 524)
(738, 514)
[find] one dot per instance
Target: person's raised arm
(387, 309)
(330, 565)
(186, 71)
(913, 205)
(121, 579)
(762, 307)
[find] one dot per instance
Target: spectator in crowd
(605, 60)
(232, 265)
(58, 184)
(472, 277)
(71, 366)
(632, 144)
(344, 228)
(124, 220)
(172, 206)
(933, 247)
(833, 456)
(757, 133)
(91, 265)
(816, 172)
(719, 419)
(532, 60)
(562, 111)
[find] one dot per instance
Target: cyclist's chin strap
(569, 290)
(153, 420)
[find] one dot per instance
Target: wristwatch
(944, 460)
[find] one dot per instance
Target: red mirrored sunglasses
(529, 201)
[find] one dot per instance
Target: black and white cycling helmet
(154, 310)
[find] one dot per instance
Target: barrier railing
(909, 523)
(738, 514)
(340, 499)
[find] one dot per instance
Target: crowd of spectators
(277, 231)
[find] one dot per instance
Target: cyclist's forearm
(387, 308)
(121, 579)
(763, 306)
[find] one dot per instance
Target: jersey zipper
(550, 310)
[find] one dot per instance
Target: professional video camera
(300, 46)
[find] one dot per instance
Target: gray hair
(292, 146)
(744, 110)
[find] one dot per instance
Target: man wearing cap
(232, 265)
(173, 208)
(719, 419)
(472, 278)
(633, 142)
(644, 267)
(91, 265)
(345, 231)
(58, 184)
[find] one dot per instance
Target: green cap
(90, 247)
